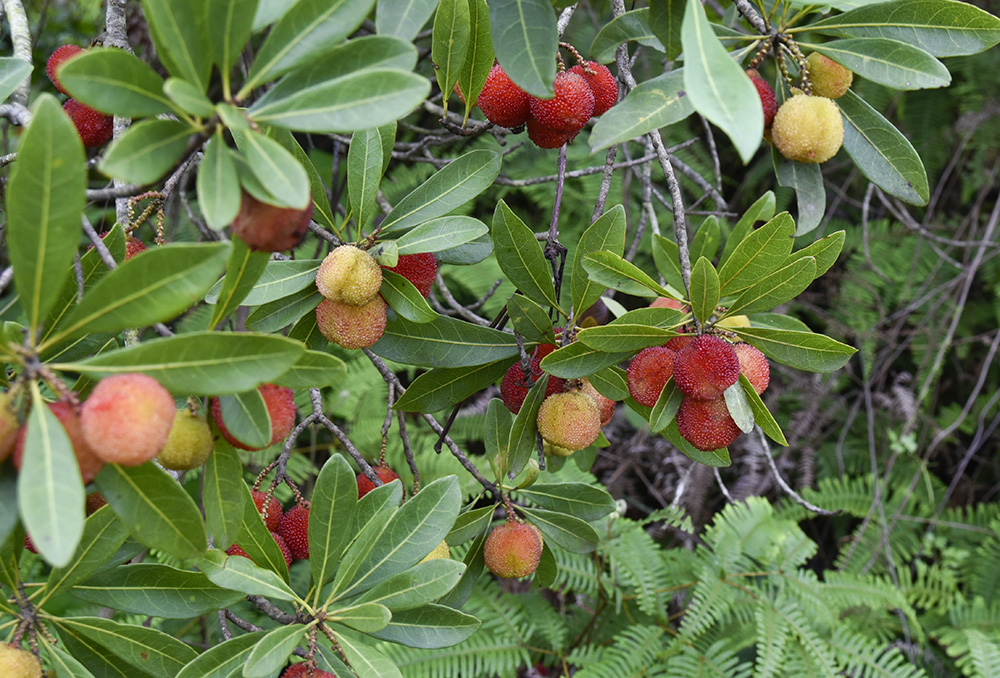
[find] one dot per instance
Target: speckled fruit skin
(18, 663)
(127, 419)
(285, 550)
(571, 107)
(419, 269)
(678, 344)
(9, 426)
(602, 84)
(754, 365)
(543, 137)
(514, 386)
(571, 420)
(828, 78)
(349, 275)
(294, 529)
(706, 368)
(706, 424)
(439, 552)
(58, 58)
(501, 101)
(767, 99)
(274, 511)
(605, 406)
(301, 670)
(94, 501)
(88, 461)
(555, 450)
(280, 403)
(189, 444)
(270, 228)
(808, 129)
(667, 302)
(648, 372)
(384, 473)
(133, 246)
(95, 128)
(352, 326)
(513, 550)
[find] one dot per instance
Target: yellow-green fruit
(513, 550)
(8, 426)
(440, 551)
(349, 275)
(571, 420)
(808, 129)
(555, 450)
(18, 663)
(190, 442)
(352, 326)
(734, 321)
(828, 78)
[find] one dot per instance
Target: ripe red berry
(301, 670)
(706, 368)
(270, 228)
(606, 406)
(274, 511)
(706, 424)
(235, 550)
(543, 137)
(419, 269)
(127, 418)
(95, 128)
(648, 372)
(501, 101)
(59, 57)
(294, 529)
(754, 365)
(602, 84)
(384, 473)
(767, 99)
(280, 402)
(513, 550)
(133, 246)
(283, 545)
(515, 385)
(571, 107)
(677, 344)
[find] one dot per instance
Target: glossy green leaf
(881, 152)
(223, 659)
(761, 210)
(892, 63)
(470, 253)
(631, 26)
(247, 418)
(231, 22)
(403, 19)
(181, 36)
(147, 151)
(97, 660)
(665, 18)
(717, 86)
(623, 338)
(615, 272)
(529, 319)
(243, 270)
(565, 531)
(270, 11)
(606, 233)
(762, 417)
(452, 186)
(440, 234)
(147, 649)
(314, 369)
(241, 574)
(472, 523)
(188, 98)
(103, 535)
(810, 193)
(365, 660)
(366, 617)
(273, 650)
(277, 168)
(279, 279)
(8, 497)
(64, 664)
(774, 289)
(801, 350)
(704, 289)
(445, 342)
(322, 213)
(13, 71)
(201, 363)
(256, 540)
(520, 257)
(474, 566)
(586, 502)
(655, 103)
(276, 315)
(114, 82)
(218, 187)
(665, 408)
(158, 590)
(405, 299)
(449, 42)
(578, 360)
(440, 388)
(221, 496)
(524, 39)
(44, 203)
(333, 501)
(423, 583)
(496, 439)
(610, 383)
(825, 251)
(429, 627)
(739, 407)
(706, 239)
(666, 256)
(523, 432)
(156, 510)
(758, 254)
(478, 56)
(364, 171)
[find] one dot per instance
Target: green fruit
(808, 129)
(18, 663)
(828, 78)
(189, 444)
(349, 275)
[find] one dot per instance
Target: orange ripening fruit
(127, 418)
(513, 550)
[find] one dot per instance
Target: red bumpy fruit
(602, 84)
(384, 473)
(270, 228)
(501, 101)
(302, 671)
(706, 424)
(543, 137)
(706, 368)
(419, 269)
(514, 386)
(280, 402)
(95, 128)
(60, 56)
(767, 99)
(274, 512)
(754, 365)
(294, 529)
(648, 372)
(571, 107)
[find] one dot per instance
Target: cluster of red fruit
(584, 91)
(573, 412)
(290, 529)
(95, 128)
(281, 410)
(353, 314)
(702, 367)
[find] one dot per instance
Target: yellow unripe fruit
(190, 442)
(18, 663)
(352, 326)
(555, 450)
(571, 420)
(8, 426)
(808, 129)
(734, 321)
(828, 78)
(440, 551)
(349, 275)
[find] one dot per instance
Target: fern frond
(718, 661)
(844, 590)
(634, 559)
(673, 516)
(772, 635)
(976, 655)
(632, 653)
(711, 599)
(862, 658)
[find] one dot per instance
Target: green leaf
(704, 289)
(774, 289)
(13, 71)
(430, 627)
(497, 442)
(8, 497)
(761, 210)
(156, 510)
(49, 488)
(440, 234)
(276, 168)
(758, 254)
(273, 650)
(157, 286)
(761, 415)
(628, 27)
(706, 240)
(270, 11)
(221, 495)
(231, 22)
(892, 63)
(452, 186)
(606, 233)
(802, 350)
(218, 187)
(472, 523)
(479, 54)
(665, 18)
(715, 458)
(423, 583)
(523, 438)
(403, 19)
(524, 39)
(200, 363)
(313, 370)
(158, 590)
(103, 535)
(655, 103)
(256, 540)
(366, 661)
(624, 337)
(666, 256)
(333, 502)
(439, 388)
(247, 418)
(406, 299)
(279, 279)
(810, 194)
(181, 36)
(45, 200)
(242, 272)
(665, 408)
(444, 342)
(578, 499)
(530, 320)
(321, 203)
(717, 86)
(147, 151)
(188, 98)
(881, 152)
(281, 313)
(449, 42)
(241, 574)
(366, 617)
(578, 360)
(364, 171)
(308, 30)
(940, 27)
(610, 383)
(223, 659)
(739, 407)
(520, 257)
(114, 82)
(611, 270)
(65, 665)
(150, 650)
(825, 251)
(565, 531)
